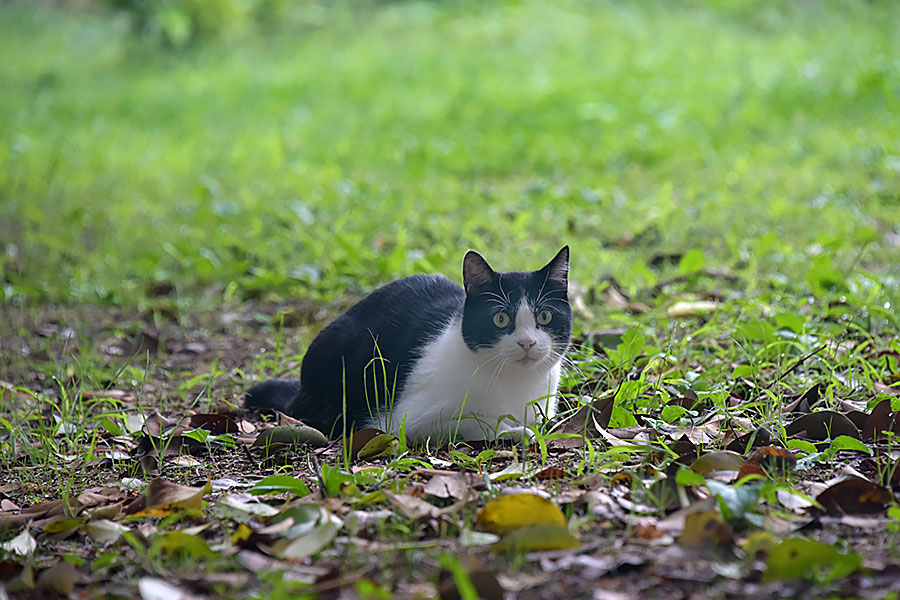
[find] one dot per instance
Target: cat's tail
(274, 394)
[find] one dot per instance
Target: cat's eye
(501, 320)
(544, 317)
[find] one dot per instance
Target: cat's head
(520, 318)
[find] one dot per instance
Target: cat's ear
(558, 269)
(476, 272)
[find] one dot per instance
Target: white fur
(450, 381)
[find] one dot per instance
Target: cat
(440, 361)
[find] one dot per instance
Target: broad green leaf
(381, 445)
(334, 479)
(735, 502)
(692, 261)
(801, 558)
(621, 417)
(805, 446)
(685, 477)
(792, 321)
(845, 442)
(60, 525)
(277, 484)
(672, 413)
(178, 542)
(291, 434)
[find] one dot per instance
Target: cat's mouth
(528, 359)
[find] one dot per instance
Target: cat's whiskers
(495, 376)
(496, 298)
(545, 297)
(504, 294)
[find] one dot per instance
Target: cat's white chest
(453, 392)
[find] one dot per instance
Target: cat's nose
(527, 344)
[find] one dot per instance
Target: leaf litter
(619, 489)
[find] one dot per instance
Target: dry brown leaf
(58, 579)
(412, 507)
(448, 486)
(823, 425)
(705, 532)
(882, 418)
(163, 496)
(855, 496)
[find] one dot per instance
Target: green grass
(380, 141)
(273, 177)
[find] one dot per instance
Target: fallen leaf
(163, 496)
(22, 545)
(291, 435)
(104, 531)
(62, 525)
(772, 459)
(308, 544)
(361, 437)
(591, 418)
(537, 538)
(412, 507)
(722, 460)
(151, 588)
(823, 425)
(799, 558)
(278, 484)
(705, 532)
(383, 444)
(551, 473)
(59, 579)
(180, 542)
(882, 419)
(216, 424)
(514, 511)
(855, 496)
(448, 486)
(248, 504)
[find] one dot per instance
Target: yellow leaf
(380, 445)
(241, 533)
(537, 538)
(514, 511)
(60, 525)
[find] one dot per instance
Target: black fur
(363, 359)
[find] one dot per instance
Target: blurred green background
(267, 149)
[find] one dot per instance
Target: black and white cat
(443, 362)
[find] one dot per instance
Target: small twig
(799, 362)
(322, 489)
